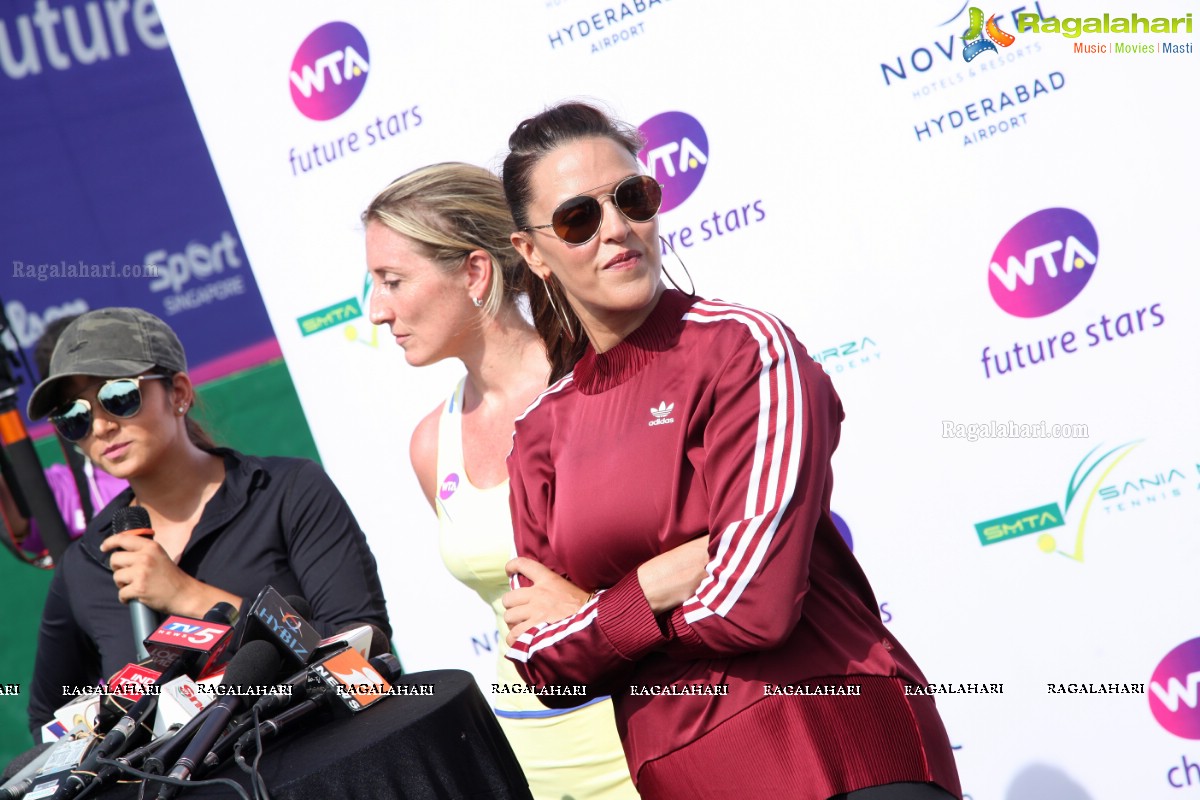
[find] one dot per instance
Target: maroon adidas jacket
(711, 419)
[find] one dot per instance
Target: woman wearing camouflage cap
(224, 524)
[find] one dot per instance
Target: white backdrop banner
(984, 234)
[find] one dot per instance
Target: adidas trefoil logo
(662, 414)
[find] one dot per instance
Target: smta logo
(1043, 518)
(1173, 691)
(329, 71)
(981, 38)
(449, 486)
(675, 155)
(1043, 262)
(344, 314)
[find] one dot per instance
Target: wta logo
(1173, 690)
(449, 486)
(675, 155)
(1043, 262)
(980, 38)
(329, 71)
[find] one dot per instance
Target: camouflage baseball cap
(107, 343)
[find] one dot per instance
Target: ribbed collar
(599, 372)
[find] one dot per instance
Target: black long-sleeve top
(276, 521)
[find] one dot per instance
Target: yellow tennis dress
(567, 754)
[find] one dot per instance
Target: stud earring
(477, 301)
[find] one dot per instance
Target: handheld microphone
(156, 762)
(293, 691)
(342, 698)
(255, 664)
(125, 687)
(363, 638)
(135, 519)
(274, 619)
(197, 640)
(111, 770)
(200, 643)
(312, 683)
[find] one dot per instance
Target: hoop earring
(670, 247)
(561, 318)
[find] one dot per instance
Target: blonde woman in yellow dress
(446, 283)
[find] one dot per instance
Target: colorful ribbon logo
(980, 38)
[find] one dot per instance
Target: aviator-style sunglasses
(120, 397)
(577, 220)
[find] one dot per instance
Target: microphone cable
(257, 782)
(147, 777)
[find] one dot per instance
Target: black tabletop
(446, 744)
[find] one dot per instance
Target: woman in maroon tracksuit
(761, 668)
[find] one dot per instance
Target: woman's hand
(143, 571)
(551, 598)
(667, 580)
(672, 577)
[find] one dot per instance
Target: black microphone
(292, 690)
(111, 770)
(255, 664)
(194, 656)
(275, 619)
(135, 519)
(297, 688)
(301, 605)
(190, 664)
(156, 762)
(328, 697)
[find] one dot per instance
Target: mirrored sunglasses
(578, 220)
(120, 397)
